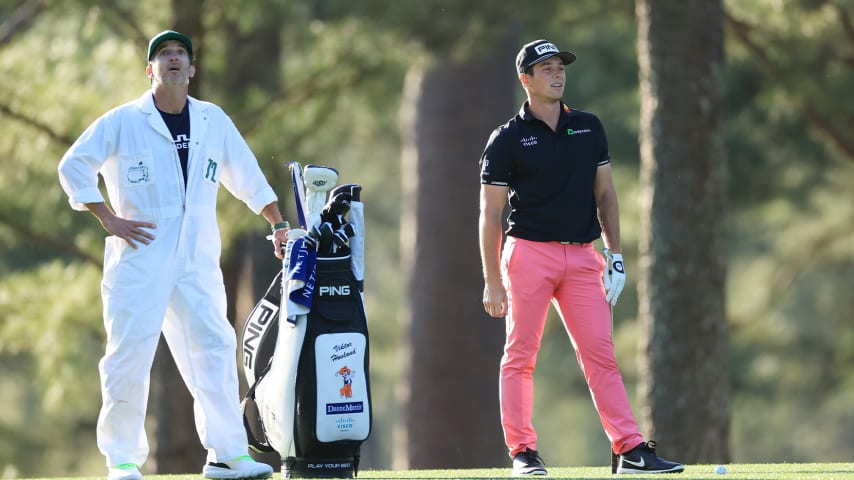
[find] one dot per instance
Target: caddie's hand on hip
(495, 299)
(130, 231)
(614, 277)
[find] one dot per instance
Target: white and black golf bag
(305, 352)
(333, 409)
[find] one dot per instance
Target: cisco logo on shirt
(528, 141)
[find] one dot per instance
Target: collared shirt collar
(146, 103)
(526, 115)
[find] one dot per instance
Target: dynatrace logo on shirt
(570, 131)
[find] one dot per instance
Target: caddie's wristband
(281, 226)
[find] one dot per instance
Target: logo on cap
(545, 48)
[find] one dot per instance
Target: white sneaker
(241, 468)
(125, 471)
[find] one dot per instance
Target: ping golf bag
(305, 348)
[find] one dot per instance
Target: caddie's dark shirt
(550, 174)
(179, 127)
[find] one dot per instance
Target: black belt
(573, 243)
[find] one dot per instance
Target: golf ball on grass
(720, 469)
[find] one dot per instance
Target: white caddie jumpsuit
(174, 284)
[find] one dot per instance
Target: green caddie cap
(169, 35)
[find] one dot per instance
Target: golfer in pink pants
(537, 274)
(551, 165)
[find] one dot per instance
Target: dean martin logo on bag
(342, 392)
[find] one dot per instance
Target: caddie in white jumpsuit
(162, 158)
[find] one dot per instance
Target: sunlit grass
(764, 471)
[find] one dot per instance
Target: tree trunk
(683, 368)
(450, 376)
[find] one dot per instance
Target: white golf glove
(614, 277)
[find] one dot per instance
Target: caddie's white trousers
(179, 291)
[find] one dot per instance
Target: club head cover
(337, 206)
(318, 178)
(343, 188)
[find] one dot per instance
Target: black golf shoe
(642, 459)
(528, 462)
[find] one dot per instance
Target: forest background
(354, 85)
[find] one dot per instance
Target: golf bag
(333, 414)
(305, 355)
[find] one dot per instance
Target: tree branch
(743, 31)
(845, 20)
(21, 20)
(821, 122)
(28, 234)
(124, 19)
(788, 272)
(54, 135)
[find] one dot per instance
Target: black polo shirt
(550, 174)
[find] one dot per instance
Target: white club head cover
(318, 180)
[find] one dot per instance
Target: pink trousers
(569, 276)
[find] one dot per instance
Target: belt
(573, 243)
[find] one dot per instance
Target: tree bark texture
(450, 375)
(683, 346)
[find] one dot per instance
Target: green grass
(782, 471)
(766, 471)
